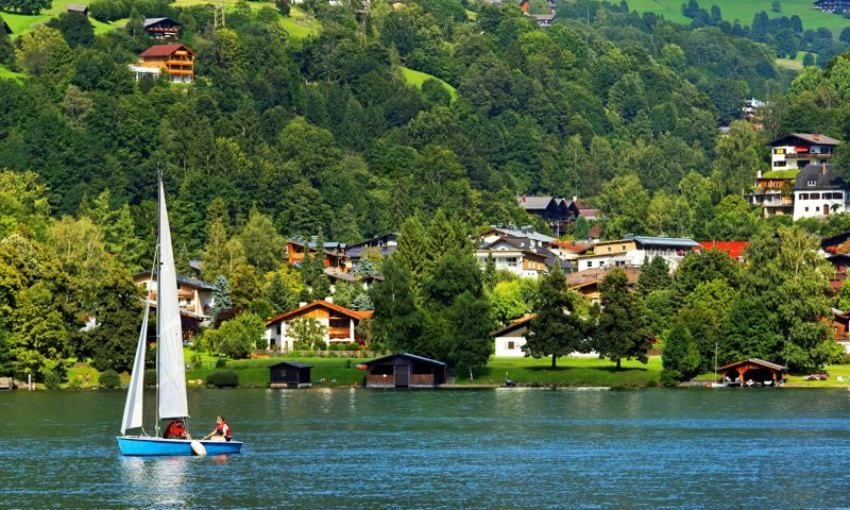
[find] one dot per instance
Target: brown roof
(754, 361)
(573, 247)
(522, 321)
(163, 50)
(596, 275)
(320, 303)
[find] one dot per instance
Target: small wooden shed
(289, 374)
(405, 370)
(753, 372)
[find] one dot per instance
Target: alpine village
(427, 193)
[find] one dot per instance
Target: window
(777, 164)
(811, 183)
(511, 346)
(806, 209)
(511, 262)
(815, 196)
(589, 264)
(779, 150)
(804, 196)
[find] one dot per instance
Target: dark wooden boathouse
(289, 374)
(405, 370)
(752, 372)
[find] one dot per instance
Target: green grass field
(744, 11)
(585, 372)
(417, 78)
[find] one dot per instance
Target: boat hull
(137, 446)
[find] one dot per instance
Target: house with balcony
(195, 297)
(587, 282)
(340, 324)
(522, 256)
(774, 192)
(818, 192)
(556, 212)
(174, 60)
(332, 253)
(797, 150)
(606, 254)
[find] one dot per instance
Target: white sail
(171, 371)
(133, 405)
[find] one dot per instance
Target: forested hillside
(324, 135)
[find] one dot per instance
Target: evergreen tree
(654, 275)
(397, 321)
(556, 330)
(681, 359)
(412, 247)
(220, 297)
(621, 331)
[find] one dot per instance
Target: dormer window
(811, 183)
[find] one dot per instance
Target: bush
(109, 379)
(52, 380)
(223, 379)
(220, 363)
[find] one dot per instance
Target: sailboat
(170, 368)
(715, 383)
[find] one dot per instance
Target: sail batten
(171, 374)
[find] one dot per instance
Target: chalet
(333, 253)
(174, 60)
(587, 282)
(405, 371)
(340, 324)
(774, 192)
(78, 9)
(556, 212)
(797, 150)
(161, 28)
(193, 296)
(289, 374)
(753, 372)
(818, 192)
(383, 245)
(517, 255)
(833, 6)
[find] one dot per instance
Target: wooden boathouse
(289, 374)
(405, 370)
(752, 372)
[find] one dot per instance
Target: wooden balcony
(809, 155)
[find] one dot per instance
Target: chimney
(758, 174)
(302, 304)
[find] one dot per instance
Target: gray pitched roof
(814, 138)
(822, 176)
(534, 203)
(677, 242)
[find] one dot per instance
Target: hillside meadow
(744, 11)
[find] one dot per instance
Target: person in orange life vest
(221, 432)
(175, 430)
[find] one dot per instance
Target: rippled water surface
(499, 449)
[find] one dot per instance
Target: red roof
(163, 50)
(735, 249)
(573, 247)
(320, 303)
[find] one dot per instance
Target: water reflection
(158, 482)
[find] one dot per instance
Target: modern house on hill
(161, 28)
(194, 297)
(174, 60)
(797, 150)
(634, 250)
(819, 192)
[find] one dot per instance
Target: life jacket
(223, 429)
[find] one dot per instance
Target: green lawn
(744, 11)
(255, 372)
(417, 78)
(587, 372)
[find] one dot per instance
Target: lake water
(490, 449)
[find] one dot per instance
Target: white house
(340, 324)
(797, 150)
(516, 255)
(510, 339)
(818, 193)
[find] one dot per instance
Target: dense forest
(322, 136)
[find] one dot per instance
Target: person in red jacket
(221, 432)
(175, 430)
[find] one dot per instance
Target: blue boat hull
(138, 446)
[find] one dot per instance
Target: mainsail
(171, 371)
